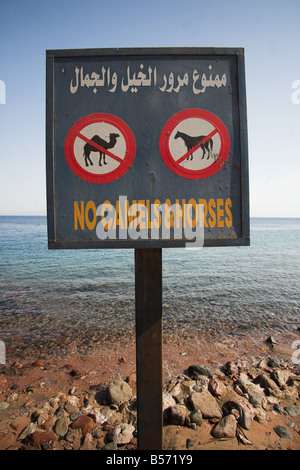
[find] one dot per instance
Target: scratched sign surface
(146, 147)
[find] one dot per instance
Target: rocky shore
(81, 405)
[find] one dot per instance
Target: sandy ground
(37, 380)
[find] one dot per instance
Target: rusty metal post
(148, 306)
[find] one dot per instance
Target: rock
(168, 400)
(73, 436)
(226, 427)
(131, 380)
(39, 438)
(263, 364)
(97, 416)
(267, 383)
(88, 442)
(118, 392)
(230, 369)
(4, 405)
(196, 417)
(278, 409)
(182, 390)
(5, 382)
(291, 425)
(293, 410)
(206, 403)
(271, 340)
(176, 414)
(75, 373)
(11, 371)
(110, 446)
(274, 362)
(40, 416)
(261, 416)
(244, 409)
(189, 443)
(282, 377)
(201, 383)
(75, 415)
(197, 370)
(70, 408)
(85, 423)
(97, 432)
(217, 388)
(121, 434)
(20, 423)
(61, 426)
(38, 363)
(32, 427)
(49, 423)
(282, 432)
(256, 397)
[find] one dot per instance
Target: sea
(71, 297)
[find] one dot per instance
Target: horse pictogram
(191, 142)
(194, 144)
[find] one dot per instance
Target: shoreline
(28, 382)
(212, 343)
(116, 356)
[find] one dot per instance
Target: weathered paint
(135, 94)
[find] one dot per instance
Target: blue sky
(267, 29)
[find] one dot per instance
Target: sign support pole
(148, 306)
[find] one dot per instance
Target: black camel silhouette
(88, 148)
(191, 142)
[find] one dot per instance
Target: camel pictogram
(88, 148)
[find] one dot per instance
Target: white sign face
(195, 144)
(91, 158)
(100, 148)
(188, 134)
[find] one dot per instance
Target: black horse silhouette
(88, 148)
(191, 142)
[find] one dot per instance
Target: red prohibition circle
(219, 128)
(125, 163)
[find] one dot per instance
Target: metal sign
(139, 140)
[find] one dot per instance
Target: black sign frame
(61, 115)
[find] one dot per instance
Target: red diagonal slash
(98, 147)
(186, 155)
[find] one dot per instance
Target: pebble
(118, 391)
(176, 414)
(61, 426)
(282, 432)
(121, 434)
(207, 404)
(41, 439)
(292, 411)
(189, 443)
(4, 406)
(197, 370)
(196, 417)
(85, 423)
(32, 427)
(226, 427)
(75, 415)
(105, 416)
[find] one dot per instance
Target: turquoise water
(55, 294)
